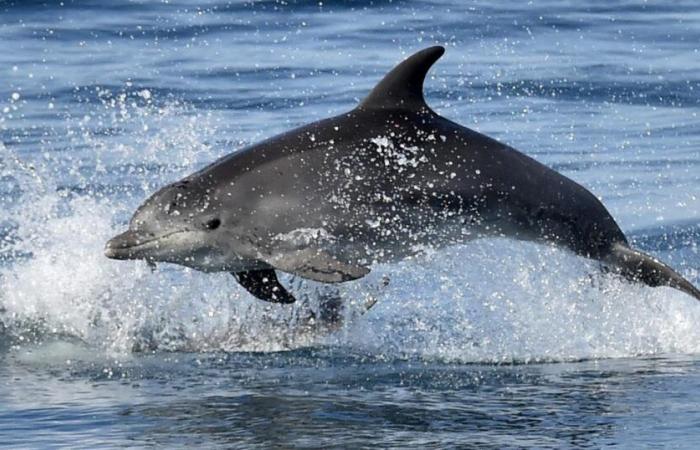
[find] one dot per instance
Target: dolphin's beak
(122, 246)
(133, 244)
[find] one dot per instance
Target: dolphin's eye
(213, 224)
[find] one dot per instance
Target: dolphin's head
(179, 224)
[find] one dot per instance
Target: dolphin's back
(522, 198)
(338, 170)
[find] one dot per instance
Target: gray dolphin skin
(379, 183)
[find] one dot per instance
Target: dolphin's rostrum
(329, 199)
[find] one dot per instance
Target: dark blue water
(491, 344)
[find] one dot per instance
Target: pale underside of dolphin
(330, 199)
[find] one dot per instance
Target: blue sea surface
(491, 344)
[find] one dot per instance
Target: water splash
(505, 301)
(492, 300)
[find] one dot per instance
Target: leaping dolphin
(330, 199)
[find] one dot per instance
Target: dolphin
(379, 183)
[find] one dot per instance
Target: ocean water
(494, 344)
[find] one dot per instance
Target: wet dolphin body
(329, 199)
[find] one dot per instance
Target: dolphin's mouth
(134, 245)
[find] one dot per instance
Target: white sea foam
(501, 301)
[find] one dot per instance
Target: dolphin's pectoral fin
(317, 265)
(263, 284)
(336, 272)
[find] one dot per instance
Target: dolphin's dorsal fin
(403, 87)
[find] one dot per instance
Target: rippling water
(494, 344)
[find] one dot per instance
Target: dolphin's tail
(637, 266)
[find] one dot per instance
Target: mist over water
(103, 103)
